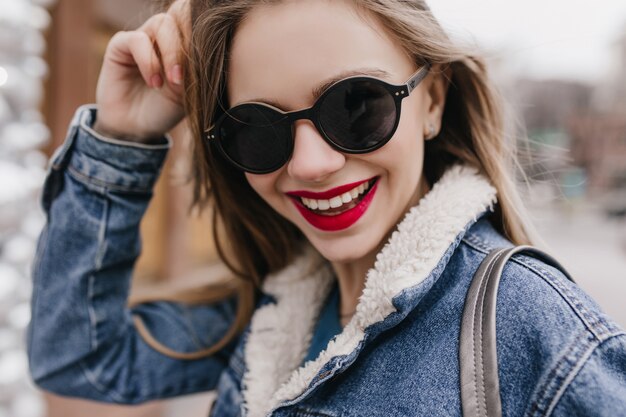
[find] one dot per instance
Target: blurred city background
(561, 65)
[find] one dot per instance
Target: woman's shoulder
(551, 336)
(531, 288)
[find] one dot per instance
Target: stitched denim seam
(561, 376)
(566, 369)
(477, 244)
(555, 380)
(581, 363)
(116, 397)
(305, 412)
(103, 390)
(314, 384)
(87, 118)
(90, 181)
(592, 322)
(61, 156)
(100, 253)
(43, 240)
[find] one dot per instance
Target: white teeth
(337, 201)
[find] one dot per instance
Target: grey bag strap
(480, 388)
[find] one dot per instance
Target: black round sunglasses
(354, 115)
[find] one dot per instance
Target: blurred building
(577, 130)
(599, 135)
(599, 146)
(610, 96)
(546, 107)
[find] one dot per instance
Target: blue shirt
(328, 325)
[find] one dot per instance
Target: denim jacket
(558, 354)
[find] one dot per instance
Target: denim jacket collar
(416, 252)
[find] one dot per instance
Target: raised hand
(140, 89)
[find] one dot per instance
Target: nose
(313, 158)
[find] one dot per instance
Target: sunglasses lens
(358, 115)
(254, 137)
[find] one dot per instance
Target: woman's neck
(351, 281)
(351, 275)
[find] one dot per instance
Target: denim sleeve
(81, 338)
(598, 387)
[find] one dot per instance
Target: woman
(356, 225)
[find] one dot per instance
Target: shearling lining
(280, 333)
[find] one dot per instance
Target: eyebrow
(319, 90)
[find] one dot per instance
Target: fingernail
(156, 81)
(177, 74)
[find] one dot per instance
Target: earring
(431, 132)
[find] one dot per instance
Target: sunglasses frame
(397, 92)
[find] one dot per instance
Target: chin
(346, 250)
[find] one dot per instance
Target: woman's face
(280, 54)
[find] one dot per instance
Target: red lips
(334, 222)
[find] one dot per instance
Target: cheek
(406, 149)
(409, 136)
(265, 186)
(414, 115)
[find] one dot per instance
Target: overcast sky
(544, 38)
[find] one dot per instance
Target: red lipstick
(334, 222)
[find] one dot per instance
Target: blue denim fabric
(558, 354)
(81, 340)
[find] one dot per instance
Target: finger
(135, 48)
(180, 10)
(163, 29)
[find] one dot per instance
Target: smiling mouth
(334, 205)
(337, 209)
(338, 204)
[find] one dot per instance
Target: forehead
(284, 52)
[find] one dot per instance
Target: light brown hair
(259, 241)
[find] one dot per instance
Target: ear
(436, 91)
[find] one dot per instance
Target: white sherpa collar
(280, 333)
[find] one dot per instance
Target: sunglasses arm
(417, 78)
